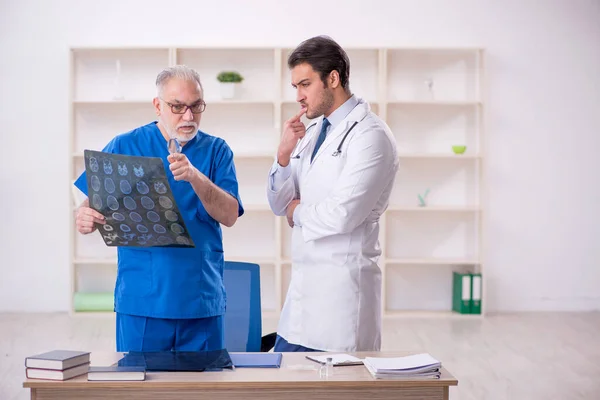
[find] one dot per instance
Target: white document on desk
(404, 365)
(337, 359)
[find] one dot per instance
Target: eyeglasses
(195, 108)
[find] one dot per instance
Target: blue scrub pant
(282, 345)
(135, 333)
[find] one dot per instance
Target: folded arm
(281, 188)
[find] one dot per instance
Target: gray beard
(172, 133)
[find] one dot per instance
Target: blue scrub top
(165, 282)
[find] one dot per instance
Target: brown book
(56, 375)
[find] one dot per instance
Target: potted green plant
(229, 80)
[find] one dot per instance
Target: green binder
(83, 301)
(476, 290)
(461, 292)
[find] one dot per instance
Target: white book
(116, 373)
(337, 359)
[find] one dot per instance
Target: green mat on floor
(93, 301)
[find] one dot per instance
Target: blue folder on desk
(256, 360)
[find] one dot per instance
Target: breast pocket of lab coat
(327, 170)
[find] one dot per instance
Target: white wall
(543, 122)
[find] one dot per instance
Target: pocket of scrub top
(134, 277)
(209, 278)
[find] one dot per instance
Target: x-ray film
(134, 195)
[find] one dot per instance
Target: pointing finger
(296, 117)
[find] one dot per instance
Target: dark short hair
(324, 55)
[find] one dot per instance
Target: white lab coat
(334, 299)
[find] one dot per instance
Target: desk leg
(33, 394)
(446, 392)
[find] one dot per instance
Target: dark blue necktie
(321, 138)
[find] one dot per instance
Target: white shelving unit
(431, 98)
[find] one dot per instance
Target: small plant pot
(459, 149)
(228, 90)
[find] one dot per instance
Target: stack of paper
(418, 366)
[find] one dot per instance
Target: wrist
(283, 159)
(197, 178)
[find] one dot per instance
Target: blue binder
(256, 360)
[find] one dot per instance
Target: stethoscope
(337, 152)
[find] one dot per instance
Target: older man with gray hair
(169, 298)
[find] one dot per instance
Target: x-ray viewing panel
(134, 195)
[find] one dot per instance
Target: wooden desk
(292, 381)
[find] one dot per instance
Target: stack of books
(57, 365)
(418, 366)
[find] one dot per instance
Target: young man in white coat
(333, 181)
